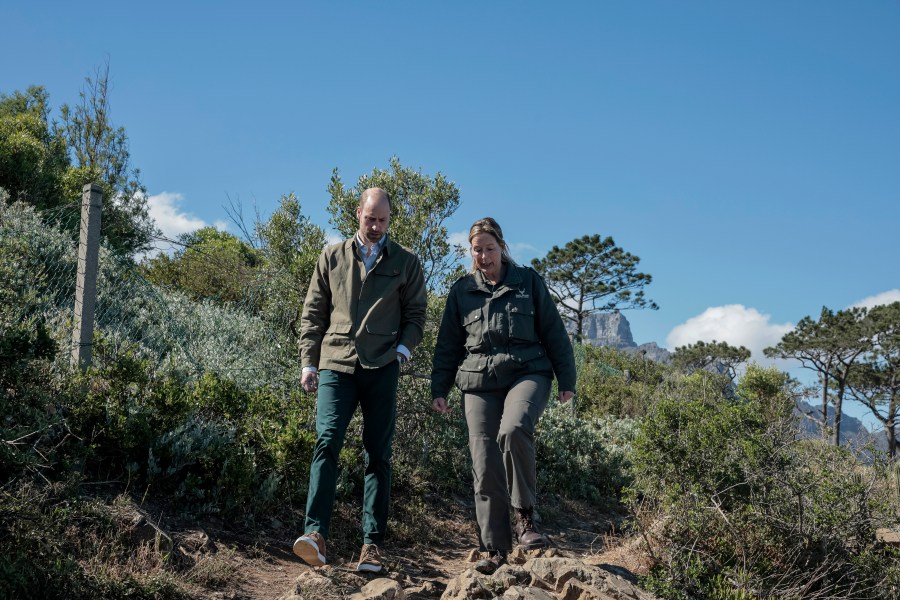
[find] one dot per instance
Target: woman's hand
(441, 405)
(565, 396)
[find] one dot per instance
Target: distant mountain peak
(607, 329)
(614, 330)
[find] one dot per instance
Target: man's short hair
(369, 191)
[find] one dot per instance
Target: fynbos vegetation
(193, 401)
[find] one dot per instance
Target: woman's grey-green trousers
(501, 440)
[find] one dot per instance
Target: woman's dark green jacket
(490, 338)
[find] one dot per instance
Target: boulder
(891, 537)
(576, 590)
(380, 589)
(315, 584)
(544, 578)
(469, 584)
(518, 592)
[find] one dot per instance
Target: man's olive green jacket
(490, 338)
(352, 315)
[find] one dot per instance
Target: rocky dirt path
(266, 569)
(263, 567)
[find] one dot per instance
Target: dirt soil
(228, 563)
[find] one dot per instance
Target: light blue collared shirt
(369, 258)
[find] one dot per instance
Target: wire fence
(163, 326)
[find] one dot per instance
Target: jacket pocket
(380, 339)
(521, 322)
(385, 281)
(472, 323)
(472, 373)
(471, 319)
(337, 339)
(339, 327)
(378, 329)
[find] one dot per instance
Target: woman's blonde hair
(490, 226)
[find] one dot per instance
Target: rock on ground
(380, 589)
(544, 578)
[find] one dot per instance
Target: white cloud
(460, 238)
(887, 297)
(333, 237)
(169, 217)
(736, 324)
(164, 209)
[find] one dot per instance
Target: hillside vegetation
(191, 409)
(192, 404)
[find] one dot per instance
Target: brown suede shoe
(495, 560)
(370, 559)
(310, 547)
(528, 535)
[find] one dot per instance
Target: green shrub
(209, 444)
(202, 468)
(603, 389)
(430, 450)
(725, 491)
(582, 458)
(280, 426)
(34, 436)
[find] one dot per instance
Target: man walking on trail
(364, 313)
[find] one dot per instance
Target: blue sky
(746, 152)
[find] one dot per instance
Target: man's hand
(564, 397)
(441, 405)
(309, 381)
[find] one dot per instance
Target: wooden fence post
(86, 287)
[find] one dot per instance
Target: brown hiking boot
(370, 559)
(495, 560)
(310, 547)
(528, 536)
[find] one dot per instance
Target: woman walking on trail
(502, 340)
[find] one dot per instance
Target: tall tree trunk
(580, 337)
(890, 425)
(890, 429)
(843, 376)
(825, 404)
(838, 401)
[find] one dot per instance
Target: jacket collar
(352, 244)
(512, 280)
